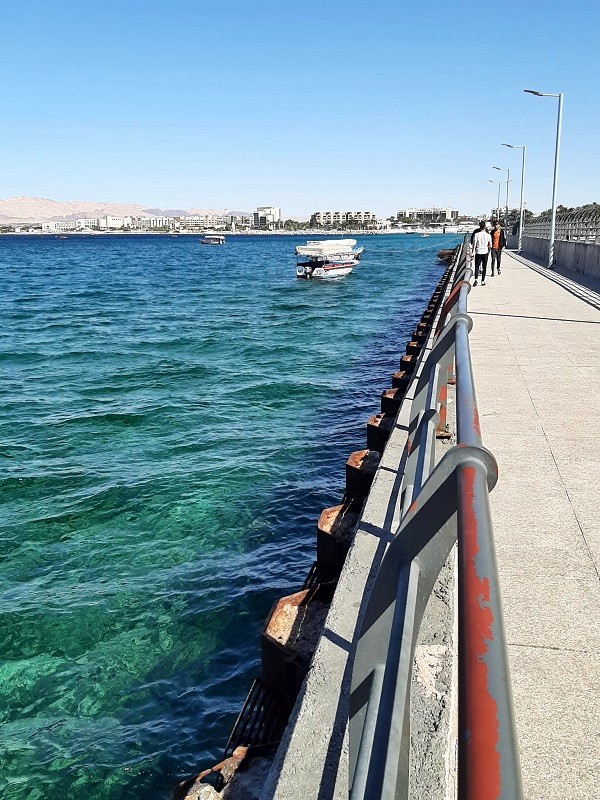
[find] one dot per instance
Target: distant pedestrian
(482, 242)
(498, 244)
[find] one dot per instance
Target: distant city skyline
(229, 106)
(37, 209)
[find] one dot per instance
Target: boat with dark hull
(327, 259)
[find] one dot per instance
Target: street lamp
(507, 182)
(524, 149)
(489, 180)
(555, 182)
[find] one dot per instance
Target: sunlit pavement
(535, 346)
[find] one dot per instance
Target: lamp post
(489, 180)
(524, 149)
(507, 182)
(555, 182)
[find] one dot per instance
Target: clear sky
(314, 105)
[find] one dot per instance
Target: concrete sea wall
(582, 257)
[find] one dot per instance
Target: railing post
(442, 432)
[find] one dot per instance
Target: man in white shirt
(482, 244)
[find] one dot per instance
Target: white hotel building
(197, 222)
(433, 214)
(55, 227)
(266, 217)
(335, 218)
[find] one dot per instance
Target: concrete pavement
(535, 347)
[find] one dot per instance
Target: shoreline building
(86, 224)
(58, 225)
(267, 217)
(433, 214)
(336, 218)
(202, 221)
(218, 220)
(143, 223)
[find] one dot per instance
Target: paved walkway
(536, 356)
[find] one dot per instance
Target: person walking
(482, 243)
(498, 244)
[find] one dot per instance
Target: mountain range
(39, 209)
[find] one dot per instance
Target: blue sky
(314, 105)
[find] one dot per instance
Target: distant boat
(63, 237)
(425, 236)
(213, 238)
(328, 259)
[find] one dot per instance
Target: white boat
(327, 259)
(213, 238)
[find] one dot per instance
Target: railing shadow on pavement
(584, 287)
(440, 505)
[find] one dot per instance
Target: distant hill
(201, 211)
(166, 212)
(39, 209)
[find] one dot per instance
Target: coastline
(451, 231)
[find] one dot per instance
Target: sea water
(173, 419)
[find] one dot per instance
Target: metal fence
(576, 226)
(440, 504)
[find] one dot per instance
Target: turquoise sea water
(173, 419)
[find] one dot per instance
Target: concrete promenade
(535, 347)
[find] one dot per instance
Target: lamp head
(499, 168)
(532, 91)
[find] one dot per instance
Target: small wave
(118, 418)
(22, 357)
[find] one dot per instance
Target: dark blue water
(174, 418)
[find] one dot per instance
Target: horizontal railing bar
(488, 759)
(468, 430)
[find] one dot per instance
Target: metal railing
(575, 226)
(440, 504)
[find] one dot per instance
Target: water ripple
(174, 419)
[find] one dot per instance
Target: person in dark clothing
(498, 244)
(478, 228)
